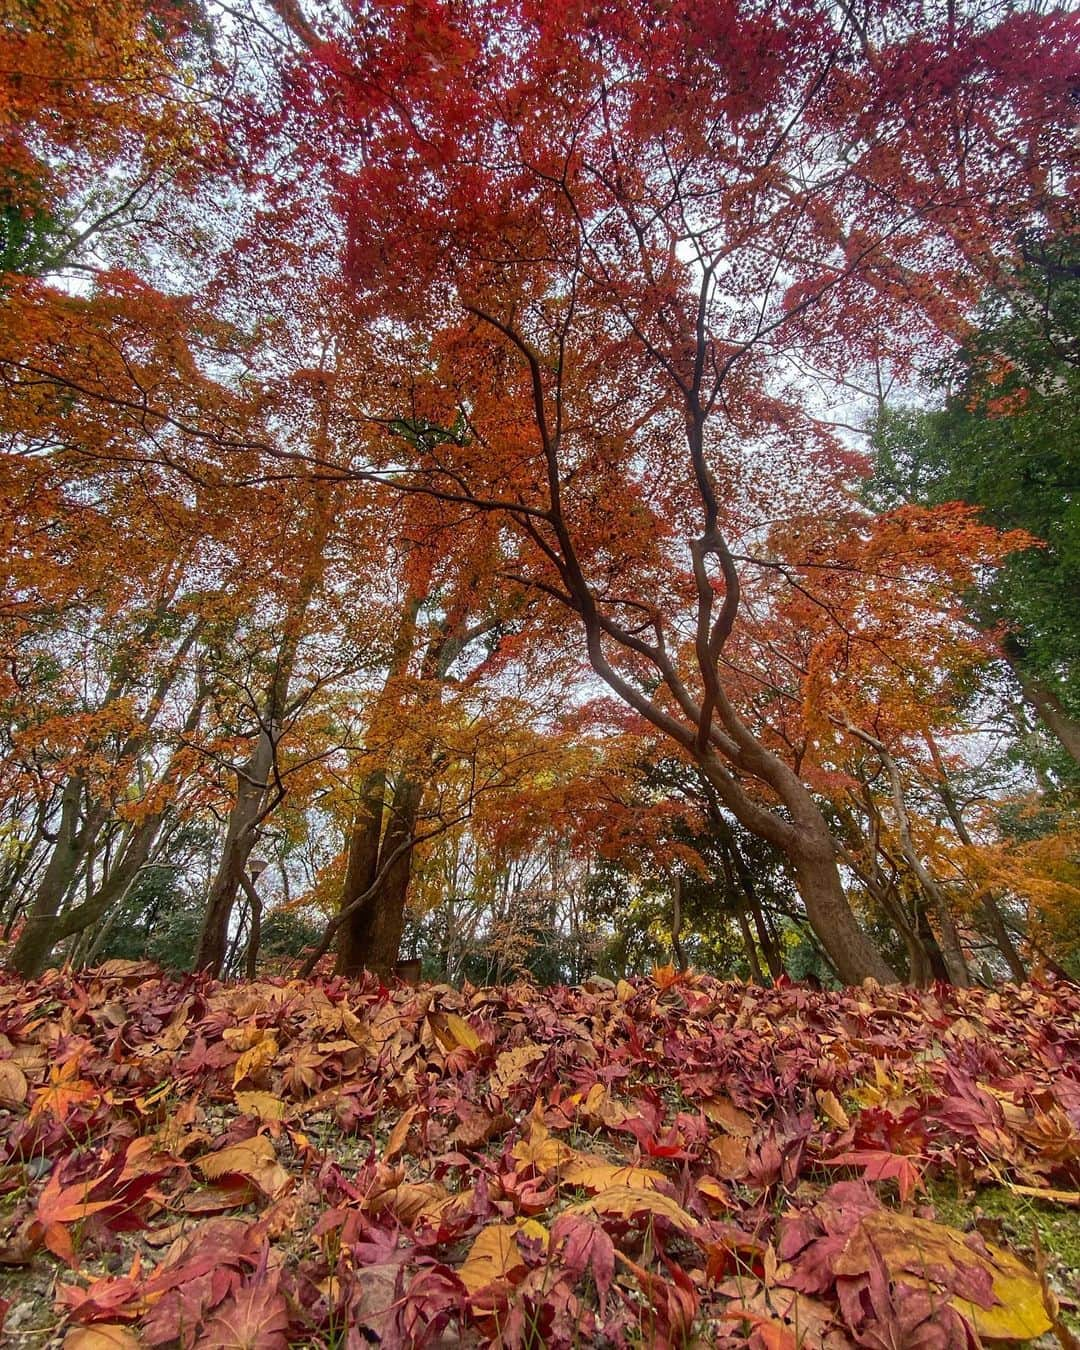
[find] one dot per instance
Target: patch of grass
(1012, 1220)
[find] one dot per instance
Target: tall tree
(621, 242)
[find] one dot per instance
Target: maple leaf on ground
(65, 1091)
(256, 1317)
(495, 1255)
(878, 1165)
(253, 1159)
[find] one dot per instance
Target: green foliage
(285, 932)
(1007, 438)
(29, 234)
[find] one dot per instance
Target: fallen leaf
(13, 1085)
(594, 1174)
(399, 1134)
(102, 1336)
(831, 1109)
(261, 1105)
(455, 1033)
(255, 1318)
(254, 1159)
(629, 1202)
(732, 1119)
(254, 1062)
(513, 1065)
(495, 1254)
(932, 1253)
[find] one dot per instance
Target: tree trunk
(995, 921)
(676, 926)
(375, 928)
(360, 873)
(852, 953)
(1046, 704)
(35, 943)
(255, 937)
(756, 974)
(252, 783)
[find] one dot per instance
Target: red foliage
(666, 1159)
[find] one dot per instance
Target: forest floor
(670, 1162)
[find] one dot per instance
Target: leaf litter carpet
(675, 1161)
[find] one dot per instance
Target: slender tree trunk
(35, 942)
(995, 921)
(240, 837)
(949, 938)
(1046, 704)
(255, 777)
(750, 946)
(676, 926)
(255, 936)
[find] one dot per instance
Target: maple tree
(432, 528)
(556, 386)
(621, 241)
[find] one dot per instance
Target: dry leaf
(831, 1109)
(13, 1085)
(102, 1336)
(629, 1202)
(399, 1134)
(455, 1033)
(261, 1105)
(917, 1248)
(255, 1061)
(254, 1159)
(495, 1255)
(595, 1174)
(513, 1065)
(722, 1111)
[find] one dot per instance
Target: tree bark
(373, 931)
(253, 781)
(360, 873)
(995, 921)
(676, 926)
(1046, 703)
(255, 777)
(35, 942)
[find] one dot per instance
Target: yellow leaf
(539, 1149)
(254, 1159)
(514, 1065)
(254, 1061)
(911, 1247)
(399, 1134)
(411, 1201)
(714, 1191)
(495, 1255)
(261, 1105)
(624, 991)
(629, 1202)
(832, 1110)
(460, 1033)
(594, 1174)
